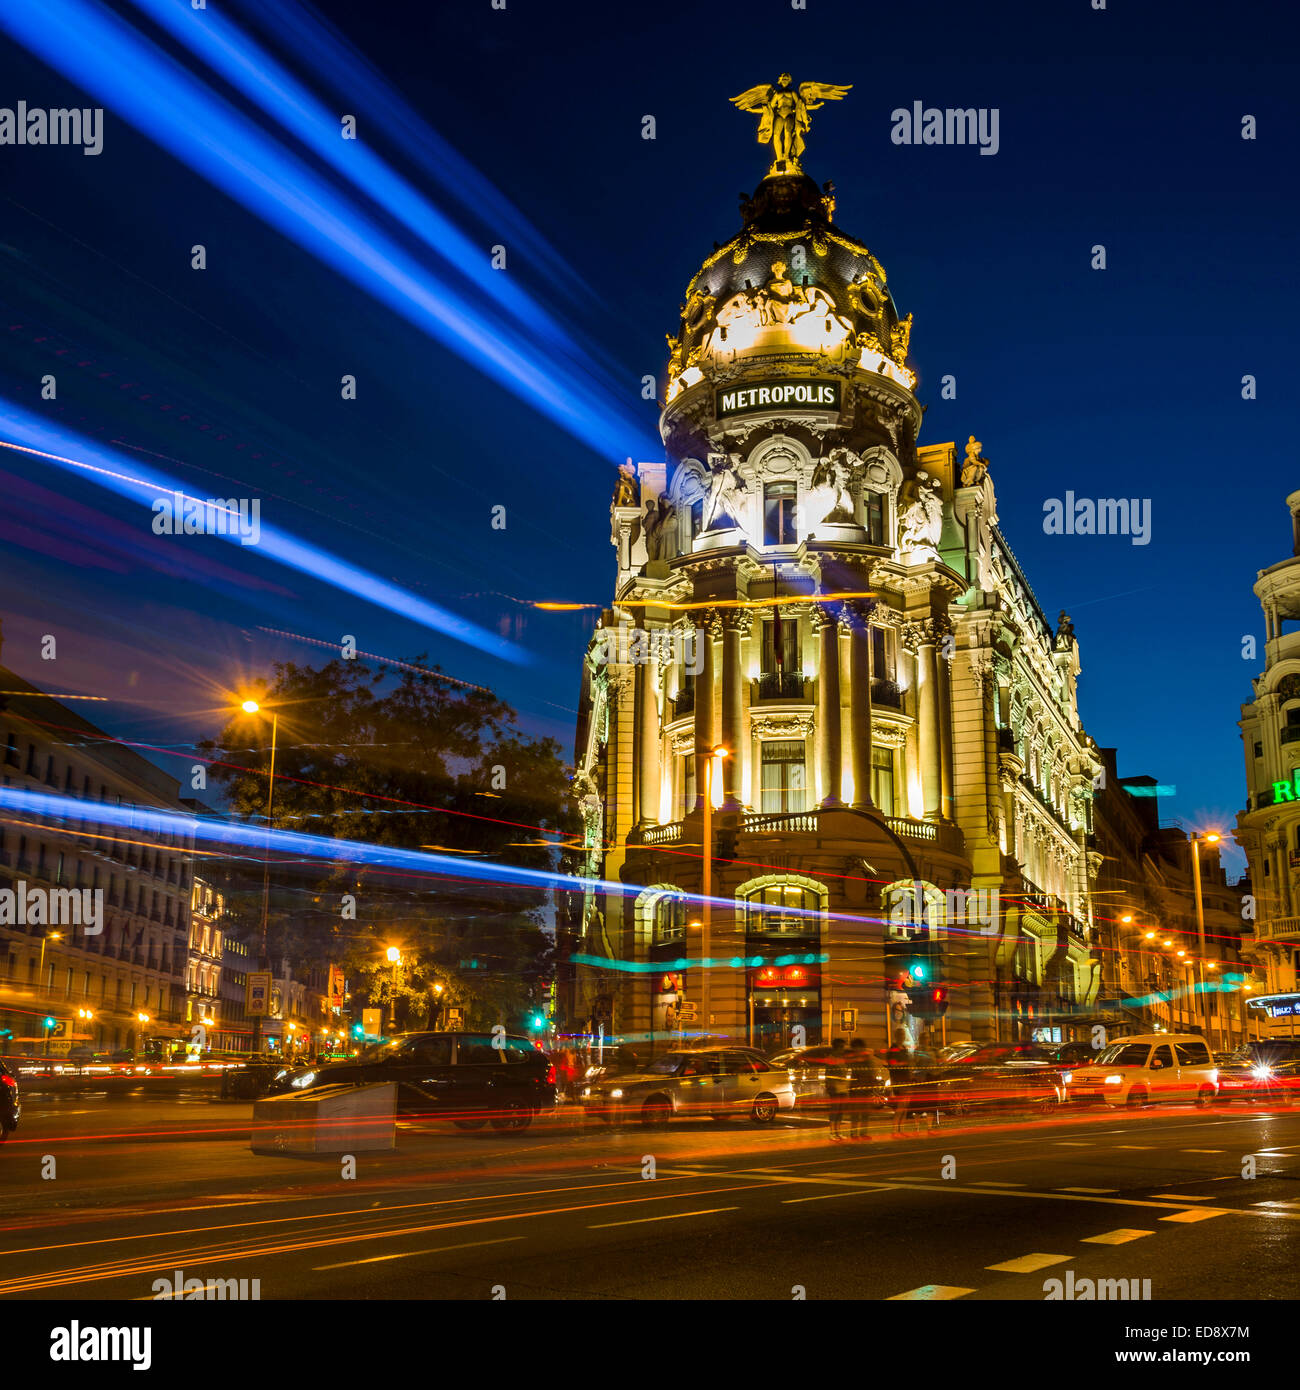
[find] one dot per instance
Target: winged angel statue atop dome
(784, 116)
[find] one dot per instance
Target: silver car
(694, 1082)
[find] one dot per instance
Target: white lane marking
(1202, 1151)
(1201, 1214)
(1180, 1197)
(930, 1293)
(1026, 1264)
(410, 1254)
(1072, 1144)
(671, 1216)
(1096, 1191)
(1135, 1146)
(1121, 1236)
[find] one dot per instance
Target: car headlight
(1261, 1073)
(282, 1073)
(304, 1080)
(1066, 1077)
(616, 1093)
(1114, 1081)
(586, 1092)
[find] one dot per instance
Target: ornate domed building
(818, 629)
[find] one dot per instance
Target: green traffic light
(918, 972)
(49, 1023)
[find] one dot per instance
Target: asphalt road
(133, 1191)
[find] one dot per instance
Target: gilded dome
(788, 288)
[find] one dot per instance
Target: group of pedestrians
(859, 1080)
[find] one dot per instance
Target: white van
(1147, 1069)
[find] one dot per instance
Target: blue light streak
(257, 74)
(125, 477)
(139, 82)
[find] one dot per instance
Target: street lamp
(141, 1020)
(711, 755)
(251, 707)
(395, 959)
(1210, 838)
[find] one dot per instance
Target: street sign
(372, 1022)
(848, 1020)
(455, 1018)
(258, 998)
(689, 1012)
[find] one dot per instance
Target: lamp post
(40, 975)
(711, 755)
(1210, 839)
(395, 959)
(141, 1020)
(251, 706)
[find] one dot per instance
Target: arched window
(670, 917)
(783, 910)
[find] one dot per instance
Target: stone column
(704, 735)
(920, 638)
(943, 669)
(648, 772)
(735, 625)
(826, 622)
(857, 615)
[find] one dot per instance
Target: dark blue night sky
(1116, 128)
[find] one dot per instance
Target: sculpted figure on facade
(975, 466)
(725, 499)
(659, 523)
(834, 475)
(627, 491)
(920, 516)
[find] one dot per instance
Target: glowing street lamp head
(1151, 936)
(1127, 917)
(721, 752)
(394, 955)
(250, 706)
(1212, 838)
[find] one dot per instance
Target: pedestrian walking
(898, 1059)
(864, 1085)
(837, 1086)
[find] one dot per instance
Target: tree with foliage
(413, 759)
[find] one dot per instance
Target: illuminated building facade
(94, 985)
(802, 584)
(1269, 828)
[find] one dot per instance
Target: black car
(469, 1078)
(10, 1109)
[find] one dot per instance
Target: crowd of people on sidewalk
(860, 1080)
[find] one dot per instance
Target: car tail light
(550, 1073)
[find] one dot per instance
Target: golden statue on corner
(784, 117)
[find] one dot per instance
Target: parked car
(469, 1078)
(10, 1108)
(1147, 1068)
(716, 1081)
(1074, 1054)
(996, 1074)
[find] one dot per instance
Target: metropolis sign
(798, 395)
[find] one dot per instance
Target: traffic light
(538, 1022)
(358, 1031)
(49, 1023)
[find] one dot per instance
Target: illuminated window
(873, 506)
(882, 779)
(783, 909)
(784, 780)
(778, 514)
